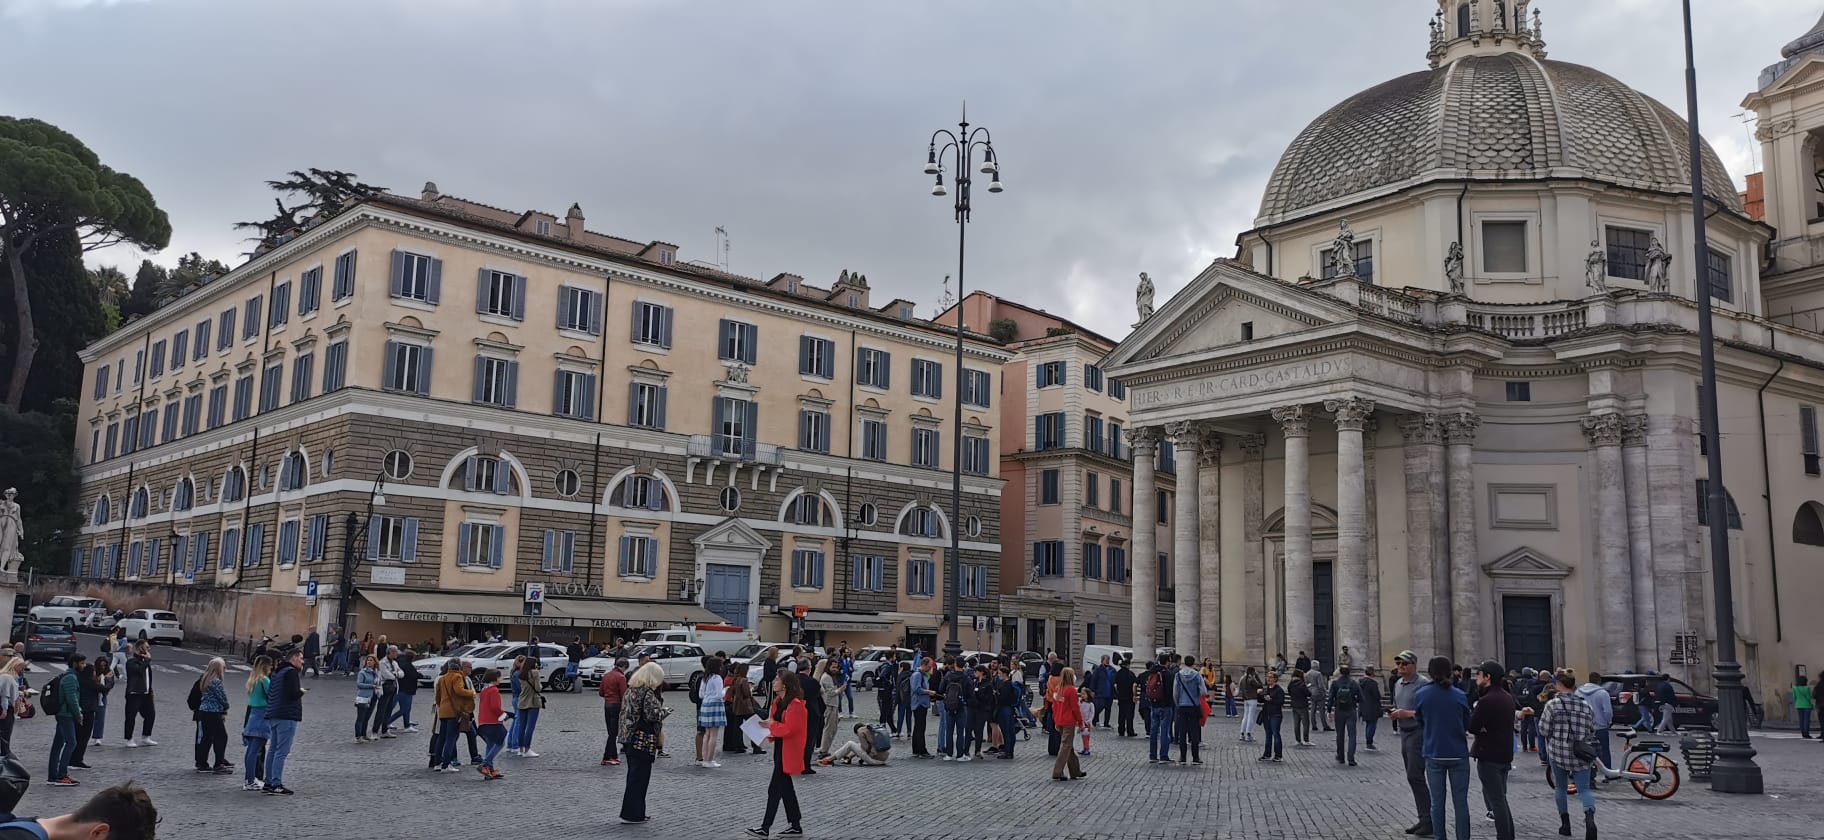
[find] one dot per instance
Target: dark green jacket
(69, 696)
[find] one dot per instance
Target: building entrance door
(1526, 631)
(725, 591)
(1323, 609)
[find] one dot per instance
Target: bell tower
(1484, 27)
(1789, 107)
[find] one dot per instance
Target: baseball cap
(1406, 656)
(1492, 668)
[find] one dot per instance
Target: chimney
(430, 191)
(573, 223)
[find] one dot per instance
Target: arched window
(293, 472)
(1703, 506)
(141, 501)
(487, 474)
(102, 510)
(1808, 524)
(185, 496)
(640, 491)
(920, 522)
(1463, 20)
(810, 509)
(234, 486)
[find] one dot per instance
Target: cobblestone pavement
(382, 790)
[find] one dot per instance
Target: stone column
(1615, 587)
(1185, 563)
(1373, 655)
(1209, 545)
(1428, 593)
(1350, 582)
(1301, 621)
(1144, 558)
(1253, 561)
(1465, 570)
(1640, 535)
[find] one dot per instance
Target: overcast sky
(1134, 136)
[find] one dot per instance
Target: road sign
(535, 593)
(310, 593)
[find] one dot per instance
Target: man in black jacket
(139, 694)
(91, 688)
(1492, 722)
(813, 705)
(1126, 683)
(313, 653)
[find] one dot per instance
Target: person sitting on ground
(869, 749)
(116, 813)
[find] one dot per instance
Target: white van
(1092, 656)
(707, 635)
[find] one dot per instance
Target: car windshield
(747, 651)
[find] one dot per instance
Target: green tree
(144, 297)
(191, 268)
(36, 457)
(110, 283)
(323, 191)
(69, 312)
(52, 184)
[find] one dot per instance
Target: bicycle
(1648, 766)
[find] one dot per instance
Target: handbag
(465, 722)
(1583, 750)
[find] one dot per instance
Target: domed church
(1445, 397)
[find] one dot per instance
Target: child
(1086, 701)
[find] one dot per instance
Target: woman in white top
(712, 713)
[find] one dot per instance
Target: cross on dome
(1484, 27)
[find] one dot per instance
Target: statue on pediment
(1596, 268)
(1453, 268)
(1659, 267)
(1143, 298)
(12, 532)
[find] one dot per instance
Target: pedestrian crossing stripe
(188, 667)
(50, 667)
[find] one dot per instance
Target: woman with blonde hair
(642, 717)
(10, 700)
(211, 715)
(831, 694)
(254, 729)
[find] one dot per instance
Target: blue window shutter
(498, 550)
(373, 537)
(879, 572)
(251, 553)
(817, 569)
(655, 495)
(563, 308)
(626, 542)
(937, 381)
(633, 325)
(886, 370)
(750, 351)
(481, 290)
(595, 313)
(723, 328)
(408, 549)
(503, 478)
(665, 327)
(155, 549)
(434, 291)
(1038, 432)
(633, 403)
(479, 389)
(424, 370)
(519, 297)
(588, 411)
(512, 384)
(805, 343)
(462, 545)
(804, 430)
(751, 429)
(829, 359)
(199, 551)
(398, 282)
(557, 392)
(718, 417)
(797, 578)
(391, 365)
(469, 474)
(660, 414)
(550, 560)
(568, 554)
(652, 557)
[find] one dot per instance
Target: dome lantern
(1484, 27)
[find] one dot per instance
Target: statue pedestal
(10, 587)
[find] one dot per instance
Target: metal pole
(953, 562)
(1735, 770)
(347, 585)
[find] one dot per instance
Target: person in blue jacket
(1102, 682)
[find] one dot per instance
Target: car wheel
(867, 680)
(70, 624)
(142, 635)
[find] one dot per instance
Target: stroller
(1023, 720)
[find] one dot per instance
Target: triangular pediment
(732, 533)
(1210, 313)
(1805, 73)
(1526, 563)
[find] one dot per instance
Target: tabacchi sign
(1244, 382)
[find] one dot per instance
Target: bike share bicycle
(1648, 766)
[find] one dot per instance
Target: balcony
(703, 447)
(1100, 515)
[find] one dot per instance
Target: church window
(1808, 437)
(1807, 525)
(1247, 331)
(1463, 20)
(1733, 513)
(1627, 249)
(1519, 392)
(1504, 247)
(1364, 261)
(1722, 284)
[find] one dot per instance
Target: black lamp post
(959, 149)
(1735, 770)
(354, 544)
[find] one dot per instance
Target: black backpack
(53, 694)
(953, 693)
(902, 686)
(1346, 694)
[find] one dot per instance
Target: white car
(552, 660)
(153, 625)
(431, 667)
(73, 611)
(755, 655)
(682, 661)
(874, 657)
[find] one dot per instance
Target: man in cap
(1412, 737)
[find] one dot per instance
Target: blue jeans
(1804, 722)
(446, 741)
(1602, 747)
(250, 758)
(902, 718)
(1456, 772)
(943, 729)
(1368, 729)
(523, 727)
(1159, 737)
(278, 749)
(1585, 794)
(848, 694)
(1009, 731)
(101, 716)
(404, 702)
(496, 737)
(1228, 706)
(959, 732)
(63, 745)
(1276, 745)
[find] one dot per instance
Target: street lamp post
(1735, 770)
(958, 149)
(354, 539)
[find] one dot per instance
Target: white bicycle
(1648, 766)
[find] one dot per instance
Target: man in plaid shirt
(1566, 723)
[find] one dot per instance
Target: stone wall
(207, 612)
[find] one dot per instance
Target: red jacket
(487, 708)
(1065, 713)
(789, 730)
(614, 687)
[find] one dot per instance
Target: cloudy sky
(1135, 136)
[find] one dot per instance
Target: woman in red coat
(1066, 716)
(789, 727)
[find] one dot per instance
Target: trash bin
(1699, 749)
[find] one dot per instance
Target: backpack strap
(29, 826)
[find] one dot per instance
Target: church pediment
(1526, 563)
(1227, 305)
(1806, 73)
(732, 533)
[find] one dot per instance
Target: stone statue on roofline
(1596, 268)
(1453, 268)
(1659, 267)
(1342, 251)
(12, 532)
(1143, 298)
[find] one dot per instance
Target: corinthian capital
(1460, 427)
(1293, 420)
(1351, 414)
(1422, 428)
(1603, 429)
(1142, 439)
(1209, 447)
(1634, 430)
(1183, 433)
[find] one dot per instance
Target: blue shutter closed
(480, 388)
(625, 543)
(886, 370)
(724, 329)
(424, 370)
(470, 474)
(567, 554)
(398, 282)
(817, 569)
(750, 430)
(805, 343)
(503, 478)
(434, 290)
(373, 537)
(718, 418)
(512, 384)
(519, 297)
(652, 557)
(558, 392)
(665, 327)
(595, 313)
(462, 545)
(633, 403)
(750, 349)
(829, 359)
(804, 430)
(408, 548)
(199, 551)
(588, 411)
(499, 548)
(660, 413)
(564, 320)
(482, 277)
(550, 559)
(633, 325)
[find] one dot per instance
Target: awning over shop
(490, 608)
(630, 613)
(845, 622)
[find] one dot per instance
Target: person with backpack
(1158, 693)
(1127, 684)
(92, 690)
(1250, 702)
(918, 702)
(869, 748)
(1298, 696)
(284, 711)
(1006, 702)
(956, 690)
(1188, 691)
(122, 811)
(885, 692)
(1346, 699)
(63, 697)
(814, 707)
(981, 711)
(901, 684)
(255, 731)
(408, 690)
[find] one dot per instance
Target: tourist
(789, 724)
(139, 695)
(613, 690)
(984, 729)
(829, 692)
(365, 682)
(869, 748)
(902, 699)
(254, 728)
(91, 689)
(1602, 711)
(573, 661)
(1442, 713)
(1102, 684)
(1346, 698)
(408, 691)
(844, 674)
(885, 692)
(1006, 690)
(1320, 697)
(1492, 722)
(1250, 702)
(712, 714)
(1067, 716)
(1300, 695)
(1412, 744)
(530, 701)
(1272, 702)
(1086, 707)
(1372, 706)
(68, 689)
(491, 722)
(211, 719)
(10, 697)
(1303, 663)
(1157, 695)
(642, 718)
(313, 654)
(1188, 692)
(116, 813)
(284, 711)
(953, 713)
(1230, 691)
(812, 693)
(739, 704)
(1567, 724)
(1802, 704)
(920, 703)
(1127, 684)
(1526, 693)
(386, 689)
(1279, 664)
(455, 701)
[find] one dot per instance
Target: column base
(1736, 777)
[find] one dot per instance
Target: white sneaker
(714, 764)
(949, 758)
(252, 786)
(132, 742)
(529, 754)
(95, 742)
(147, 742)
(964, 758)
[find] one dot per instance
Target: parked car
(682, 661)
(873, 657)
(756, 653)
(49, 641)
(552, 661)
(717, 636)
(1692, 711)
(431, 667)
(72, 611)
(153, 625)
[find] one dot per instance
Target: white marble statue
(12, 532)
(1453, 268)
(1596, 268)
(1342, 251)
(1143, 297)
(1659, 267)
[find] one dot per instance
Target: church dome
(1497, 116)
